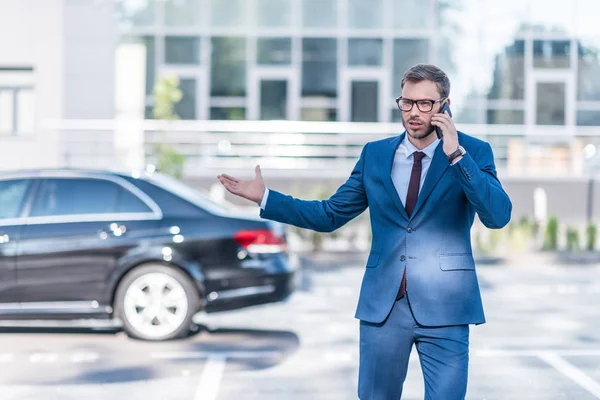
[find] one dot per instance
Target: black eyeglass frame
(413, 102)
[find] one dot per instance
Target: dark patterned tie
(411, 200)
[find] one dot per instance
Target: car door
(13, 195)
(76, 232)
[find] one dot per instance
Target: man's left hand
(450, 137)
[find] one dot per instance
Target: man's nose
(414, 112)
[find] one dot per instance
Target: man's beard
(421, 134)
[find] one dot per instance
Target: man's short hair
(428, 72)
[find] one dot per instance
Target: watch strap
(459, 152)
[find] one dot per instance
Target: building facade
(525, 76)
(516, 65)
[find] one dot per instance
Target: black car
(143, 249)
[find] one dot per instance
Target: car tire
(151, 293)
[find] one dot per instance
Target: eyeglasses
(423, 105)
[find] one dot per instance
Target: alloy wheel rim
(155, 304)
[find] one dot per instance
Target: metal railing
(286, 148)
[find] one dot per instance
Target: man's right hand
(252, 190)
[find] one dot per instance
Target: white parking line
(210, 380)
(43, 358)
(215, 354)
(84, 358)
(534, 352)
(570, 371)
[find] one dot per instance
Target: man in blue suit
(420, 285)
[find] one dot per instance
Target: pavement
(541, 341)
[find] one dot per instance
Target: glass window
(551, 103)
(365, 52)
(274, 51)
(588, 70)
(319, 114)
(136, 13)
(588, 117)
(183, 12)
(12, 193)
(408, 52)
(319, 67)
(148, 43)
(228, 113)
(409, 14)
(75, 197)
(274, 13)
(7, 111)
(130, 203)
(509, 73)
(228, 66)
(319, 14)
(25, 111)
(365, 14)
(150, 63)
(229, 13)
(512, 117)
(364, 101)
(186, 108)
(551, 53)
(273, 99)
(182, 50)
(16, 110)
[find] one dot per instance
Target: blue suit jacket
(433, 244)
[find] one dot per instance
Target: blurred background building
(300, 85)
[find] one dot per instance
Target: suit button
(402, 258)
(409, 230)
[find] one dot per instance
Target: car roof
(68, 172)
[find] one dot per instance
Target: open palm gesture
(252, 190)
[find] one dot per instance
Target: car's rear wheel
(156, 302)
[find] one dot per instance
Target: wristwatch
(458, 153)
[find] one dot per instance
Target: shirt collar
(408, 148)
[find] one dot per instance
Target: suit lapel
(387, 164)
(438, 166)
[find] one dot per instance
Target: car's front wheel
(156, 302)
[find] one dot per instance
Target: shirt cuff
(263, 203)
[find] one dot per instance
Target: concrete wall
(33, 37)
(70, 44)
(90, 36)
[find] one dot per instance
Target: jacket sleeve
(349, 201)
(478, 178)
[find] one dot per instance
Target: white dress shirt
(403, 162)
(401, 169)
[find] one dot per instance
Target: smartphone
(445, 107)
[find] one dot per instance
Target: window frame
(37, 181)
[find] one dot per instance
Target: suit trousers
(385, 349)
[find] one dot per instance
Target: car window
(75, 197)
(12, 193)
(186, 192)
(130, 203)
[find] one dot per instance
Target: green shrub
(551, 234)
(572, 239)
(591, 231)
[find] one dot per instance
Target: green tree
(166, 95)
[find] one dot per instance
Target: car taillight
(260, 241)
